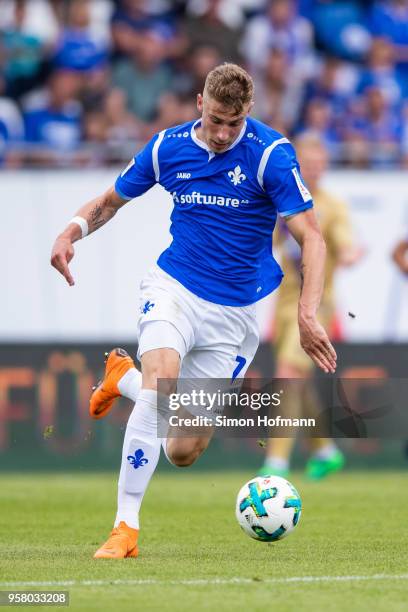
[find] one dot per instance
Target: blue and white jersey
(225, 207)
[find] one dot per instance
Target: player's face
(220, 125)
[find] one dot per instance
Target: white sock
(130, 384)
(326, 452)
(276, 463)
(141, 451)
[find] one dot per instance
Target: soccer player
(292, 362)
(229, 176)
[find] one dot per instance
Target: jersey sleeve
(283, 181)
(139, 175)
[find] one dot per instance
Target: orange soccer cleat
(118, 362)
(122, 543)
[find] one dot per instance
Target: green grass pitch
(351, 544)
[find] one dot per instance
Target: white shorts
(213, 341)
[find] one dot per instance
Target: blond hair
(230, 85)
(310, 140)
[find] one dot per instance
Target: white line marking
(205, 581)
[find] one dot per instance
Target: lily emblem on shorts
(236, 175)
(147, 307)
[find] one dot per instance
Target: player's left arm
(283, 182)
(313, 338)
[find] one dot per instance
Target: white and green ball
(268, 508)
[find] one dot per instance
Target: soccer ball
(268, 508)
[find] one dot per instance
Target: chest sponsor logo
(203, 198)
(236, 175)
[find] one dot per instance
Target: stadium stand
(87, 82)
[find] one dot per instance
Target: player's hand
(316, 343)
(61, 255)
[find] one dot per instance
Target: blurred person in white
(291, 361)
(280, 27)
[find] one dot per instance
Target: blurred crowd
(86, 82)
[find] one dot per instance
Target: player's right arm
(137, 178)
(95, 213)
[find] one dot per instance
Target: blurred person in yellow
(291, 361)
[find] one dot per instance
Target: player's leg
(165, 333)
(326, 458)
(225, 346)
(291, 364)
(121, 378)
(279, 450)
(141, 451)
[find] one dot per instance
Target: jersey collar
(204, 145)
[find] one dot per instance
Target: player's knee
(183, 459)
(161, 365)
(161, 377)
(184, 456)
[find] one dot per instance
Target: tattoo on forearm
(302, 276)
(95, 217)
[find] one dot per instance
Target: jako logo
(183, 175)
(138, 460)
(148, 306)
(236, 175)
